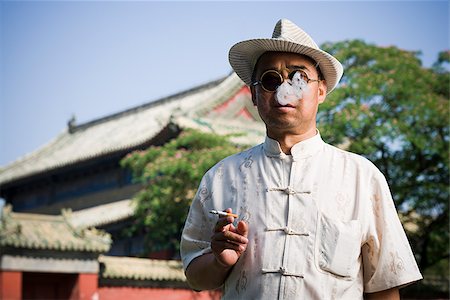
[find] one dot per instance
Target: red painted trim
(244, 91)
(11, 285)
(245, 114)
(135, 293)
(86, 287)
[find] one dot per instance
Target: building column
(86, 287)
(10, 285)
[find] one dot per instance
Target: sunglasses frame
(308, 80)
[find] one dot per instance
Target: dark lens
(271, 81)
(302, 75)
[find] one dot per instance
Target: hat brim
(244, 55)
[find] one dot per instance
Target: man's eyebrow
(290, 67)
(302, 67)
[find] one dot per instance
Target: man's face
(298, 117)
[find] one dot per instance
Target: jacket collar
(300, 150)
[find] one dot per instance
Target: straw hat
(286, 37)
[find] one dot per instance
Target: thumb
(242, 228)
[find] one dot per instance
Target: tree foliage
(171, 174)
(395, 112)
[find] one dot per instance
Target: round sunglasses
(272, 79)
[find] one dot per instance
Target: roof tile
(36, 231)
(101, 214)
(141, 269)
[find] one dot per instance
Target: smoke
(291, 91)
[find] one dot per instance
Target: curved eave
(57, 167)
(116, 134)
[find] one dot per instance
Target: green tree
(171, 174)
(394, 111)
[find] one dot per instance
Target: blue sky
(91, 59)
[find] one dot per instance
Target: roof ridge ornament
(71, 124)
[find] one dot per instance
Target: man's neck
(288, 140)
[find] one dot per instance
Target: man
(314, 222)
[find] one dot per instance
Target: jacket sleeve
(387, 256)
(196, 235)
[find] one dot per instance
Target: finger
(242, 228)
(221, 246)
(229, 237)
(230, 210)
(221, 240)
(222, 224)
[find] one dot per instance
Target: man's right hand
(228, 241)
(210, 270)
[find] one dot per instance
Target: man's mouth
(286, 105)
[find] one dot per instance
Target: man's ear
(253, 92)
(322, 91)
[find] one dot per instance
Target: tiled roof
(137, 126)
(141, 269)
(101, 214)
(46, 232)
(253, 133)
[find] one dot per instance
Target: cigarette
(223, 213)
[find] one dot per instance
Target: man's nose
(285, 73)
